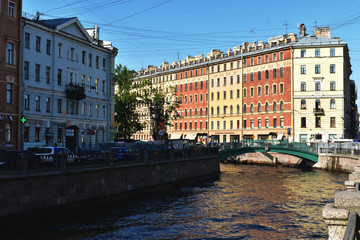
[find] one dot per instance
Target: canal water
(245, 202)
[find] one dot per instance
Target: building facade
(257, 91)
(68, 84)
(10, 62)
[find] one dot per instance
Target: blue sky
(149, 32)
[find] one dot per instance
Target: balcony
(75, 91)
(319, 112)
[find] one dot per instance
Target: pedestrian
(56, 153)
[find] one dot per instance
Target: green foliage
(126, 102)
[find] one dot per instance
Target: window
(10, 54)
(303, 53)
(259, 60)
(317, 122)
(48, 103)
(266, 107)
(259, 75)
(259, 91)
(267, 58)
(224, 81)
(303, 69)
(90, 109)
(38, 42)
(303, 86)
(252, 76)
(89, 84)
(218, 110)
(37, 72)
(303, 104)
(60, 49)
(281, 56)
(332, 103)
(231, 80)
(238, 108)
(317, 86)
(266, 90)
(275, 122)
(90, 59)
(83, 109)
(83, 57)
(303, 122)
(252, 123)
(245, 92)
(8, 133)
(245, 77)
(317, 69)
(317, 52)
(96, 85)
(266, 74)
(332, 86)
(281, 105)
(274, 57)
(281, 72)
(218, 95)
(103, 86)
(238, 93)
(97, 110)
(332, 68)
(274, 73)
(27, 101)
(59, 76)
(281, 90)
(244, 124)
(245, 62)
(27, 40)
(281, 122)
(238, 79)
(11, 10)
(267, 123)
(225, 67)
(274, 106)
(259, 123)
(231, 94)
(48, 46)
(251, 92)
(259, 107)
(274, 89)
(251, 107)
(252, 61)
(225, 107)
(59, 105)
(332, 122)
(48, 69)
(245, 108)
(104, 63)
(97, 61)
(9, 93)
(37, 103)
(26, 70)
(332, 52)
(37, 134)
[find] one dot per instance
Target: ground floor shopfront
(73, 134)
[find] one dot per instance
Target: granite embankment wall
(28, 192)
(332, 162)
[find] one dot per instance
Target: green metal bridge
(301, 150)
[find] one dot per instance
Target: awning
(280, 136)
(175, 136)
(273, 134)
(191, 136)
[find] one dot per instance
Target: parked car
(9, 159)
(123, 153)
(47, 154)
(92, 156)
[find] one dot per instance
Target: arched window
(201, 111)
(225, 107)
(190, 112)
(274, 106)
(266, 107)
(281, 105)
(332, 103)
(185, 112)
(195, 112)
(212, 111)
(8, 133)
(259, 107)
(303, 104)
(251, 107)
(317, 104)
(245, 107)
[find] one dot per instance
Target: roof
(53, 23)
(317, 40)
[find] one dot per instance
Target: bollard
(22, 162)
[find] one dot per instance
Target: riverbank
(33, 191)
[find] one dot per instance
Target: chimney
(302, 30)
(323, 32)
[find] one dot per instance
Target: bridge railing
(272, 144)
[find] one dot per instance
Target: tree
(126, 102)
(161, 104)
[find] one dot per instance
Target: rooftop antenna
(178, 55)
(286, 26)
(253, 32)
(315, 23)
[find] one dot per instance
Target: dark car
(92, 156)
(10, 159)
(123, 153)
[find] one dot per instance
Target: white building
(67, 84)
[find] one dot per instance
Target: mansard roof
(53, 23)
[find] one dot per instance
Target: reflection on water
(246, 202)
